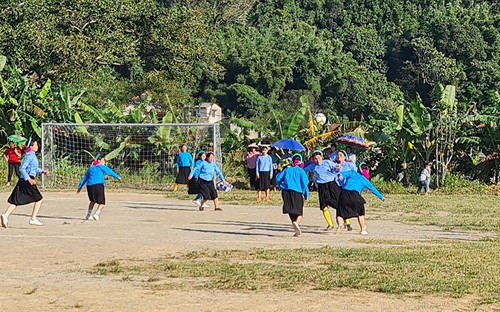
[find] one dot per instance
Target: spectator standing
(424, 179)
(13, 157)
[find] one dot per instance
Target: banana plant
(294, 124)
(445, 129)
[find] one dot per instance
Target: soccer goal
(143, 154)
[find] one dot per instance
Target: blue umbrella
(289, 144)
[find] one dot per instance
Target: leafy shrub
(454, 184)
(389, 187)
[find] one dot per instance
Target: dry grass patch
(452, 269)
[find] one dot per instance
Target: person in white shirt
(351, 157)
(424, 179)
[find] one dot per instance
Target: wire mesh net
(143, 154)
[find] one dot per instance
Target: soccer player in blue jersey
(94, 178)
(293, 183)
(183, 166)
(26, 191)
(351, 204)
(205, 172)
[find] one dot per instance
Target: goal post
(143, 154)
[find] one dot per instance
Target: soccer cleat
(218, 209)
(5, 221)
(349, 227)
(297, 229)
(259, 199)
(197, 202)
(205, 206)
(88, 217)
(268, 199)
(328, 228)
(364, 232)
(35, 222)
(96, 217)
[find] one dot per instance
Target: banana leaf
(297, 118)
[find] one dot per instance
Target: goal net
(144, 155)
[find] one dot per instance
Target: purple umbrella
(353, 140)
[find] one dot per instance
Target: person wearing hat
(264, 171)
(250, 158)
(293, 181)
(325, 176)
(183, 165)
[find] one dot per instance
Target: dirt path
(43, 268)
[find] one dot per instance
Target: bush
(389, 187)
(455, 184)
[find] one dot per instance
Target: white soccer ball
(320, 119)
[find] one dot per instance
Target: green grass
(451, 269)
(448, 268)
(459, 211)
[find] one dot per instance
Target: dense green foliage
(372, 60)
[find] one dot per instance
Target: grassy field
(459, 211)
(451, 269)
(448, 268)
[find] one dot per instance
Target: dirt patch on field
(46, 268)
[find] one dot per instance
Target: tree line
(420, 77)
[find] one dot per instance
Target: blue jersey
(353, 181)
(184, 159)
(324, 172)
(29, 167)
(95, 175)
(206, 171)
(333, 156)
(293, 179)
(264, 164)
(348, 166)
